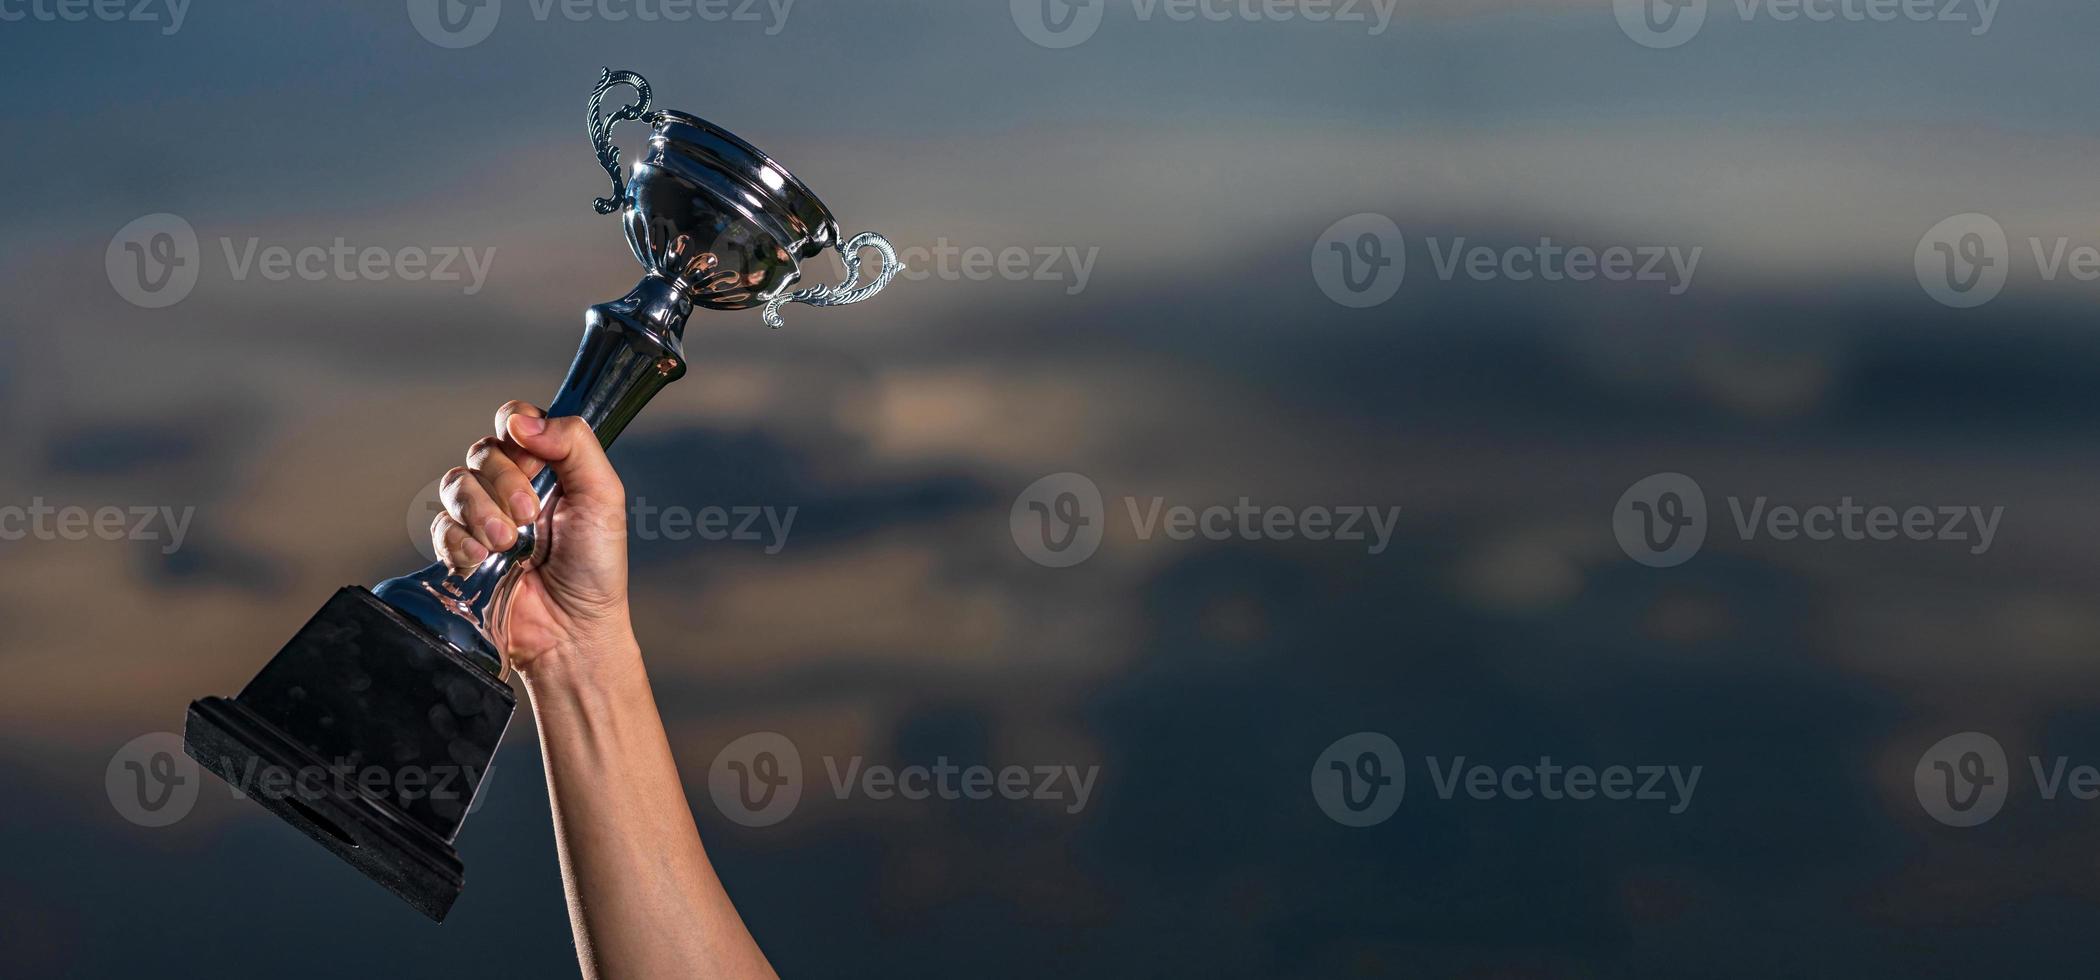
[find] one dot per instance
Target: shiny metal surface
(756, 226)
(717, 224)
(601, 129)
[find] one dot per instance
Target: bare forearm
(643, 899)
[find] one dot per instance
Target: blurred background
(1189, 255)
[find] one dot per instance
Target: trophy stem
(632, 348)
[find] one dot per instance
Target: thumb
(571, 449)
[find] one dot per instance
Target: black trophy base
(370, 737)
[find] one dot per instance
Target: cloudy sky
(1173, 188)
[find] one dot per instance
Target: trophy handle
(601, 130)
(845, 293)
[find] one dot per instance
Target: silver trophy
(409, 676)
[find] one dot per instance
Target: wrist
(586, 669)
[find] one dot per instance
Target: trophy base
(368, 736)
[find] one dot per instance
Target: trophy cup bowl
(711, 214)
(372, 729)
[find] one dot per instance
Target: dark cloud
(1204, 159)
(697, 468)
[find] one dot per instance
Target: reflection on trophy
(372, 729)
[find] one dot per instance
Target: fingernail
(524, 507)
(499, 532)
(476, 554)
(529, 425)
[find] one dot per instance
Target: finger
(504, 480)
(571, 448)
(516, 407)
(472, 507)
(529, 464)
(455, 547)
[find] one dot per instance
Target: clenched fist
(570, 605)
